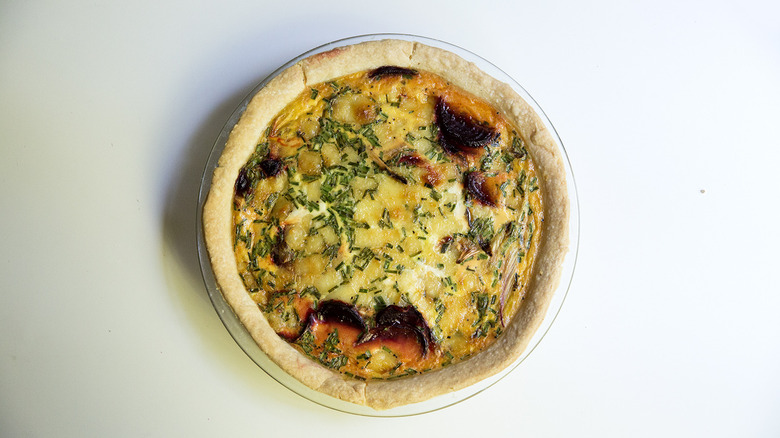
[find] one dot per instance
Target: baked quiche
(388, 222)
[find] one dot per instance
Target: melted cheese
(371, 211)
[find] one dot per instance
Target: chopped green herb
(379, 303)
(384, 221)
(533, 185)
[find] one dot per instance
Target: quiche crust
(270, 100)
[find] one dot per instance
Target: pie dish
(449, 175)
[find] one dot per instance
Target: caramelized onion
(508, 279)
(477, 186)
(340, 312)
(391, 70)
(459, 133)
(467, 249)
(406, 317)
(402, 323)
(270, 167)
(281, 253)
(242, 183)
(265, 169)
(382, 165)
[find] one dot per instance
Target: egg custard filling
(387, 223)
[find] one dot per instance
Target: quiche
(388, 222)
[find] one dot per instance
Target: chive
(503, 186)
(533, 185)
(440, 309)
(384, 221)
(379, 303)
(369, 134)
(330, 251)
(332, 341)
(306, 341)
(364, 356)
(271, 200)
(311, 290)
(363, 258)
(521, 182)
(395, 104)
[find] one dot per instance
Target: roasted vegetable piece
(459, 133)
(403, 322)
(340, 312)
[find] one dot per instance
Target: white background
(669, 110)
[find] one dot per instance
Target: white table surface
(670, 112)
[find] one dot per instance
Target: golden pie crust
(276, 95)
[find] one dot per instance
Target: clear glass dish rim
(239, 333)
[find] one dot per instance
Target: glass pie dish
(248, 344)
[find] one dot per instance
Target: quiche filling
(387, 222)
